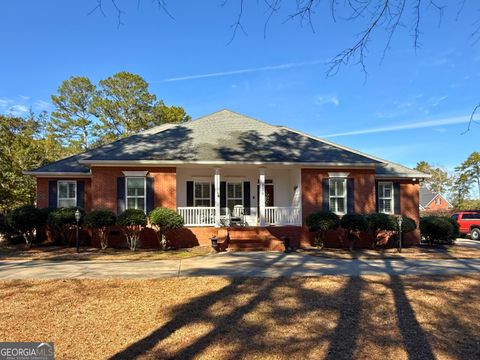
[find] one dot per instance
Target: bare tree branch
(238, 23)
(472, 118)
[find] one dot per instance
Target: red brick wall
(364, 200)
(42, 191)
(104, 186)
(312, 189)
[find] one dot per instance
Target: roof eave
(57, 174)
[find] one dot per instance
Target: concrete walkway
(260, 264)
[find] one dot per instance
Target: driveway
(257, 264)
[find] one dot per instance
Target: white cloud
(327, 99)
(5, 102)
(18, 110)
(409, 126)
(242, 71)
(42, 105)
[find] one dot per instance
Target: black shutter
(212, 195)
(189, 193)
(80, 194)
(120, 195)
(376, 196)
(325, 194)
(246, 197)
(223, 194)
(396, 198)
(150, 194)
(52, 194)
(350, 196)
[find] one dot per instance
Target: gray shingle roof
(425, 196)
(226, 136)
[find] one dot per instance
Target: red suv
(469, 222)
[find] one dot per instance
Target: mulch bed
(48, 252)
(371, 317)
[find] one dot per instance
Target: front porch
(250, 196)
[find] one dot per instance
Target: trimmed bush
(379, 222)
(11, 235)
(408, 225)
(62, 222)
(100, 221)
(321, 222)
(353, 225)
(456, 228)
(25, 219)
(437, 229)
(164, 220)
(132, 222)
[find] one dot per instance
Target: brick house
(227, 166)
(432, 202)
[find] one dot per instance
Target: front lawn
(46, 252)
(330, 317)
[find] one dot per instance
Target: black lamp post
(78, 216)
(400, 220)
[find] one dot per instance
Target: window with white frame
(438, 201)
(338, 195)
(234, 194)
(135, 192)
(202, 194)
(67, 194)
(385, 197)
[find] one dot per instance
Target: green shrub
(456, 227)
(100, 221)
(353, 225)
(378, 222)
(164, 220)
(26, 220)
(132, 222)
(10, 234)
(408, 225)
(62, 222)
(321, 222)
(437, 229)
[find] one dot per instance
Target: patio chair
(238, 216)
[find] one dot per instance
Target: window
(438, 201)
(471, 217)
(234, 194)
(385, 197)
(136, 189)
(338, 195)
(67, 193)
(202, 194)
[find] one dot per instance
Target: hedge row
(323, 221)
(24, 224)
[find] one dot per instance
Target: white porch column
(217, 196)
(261, 196)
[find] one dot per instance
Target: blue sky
(412, 106)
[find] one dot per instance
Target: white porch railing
(282, 215)
(197, 216)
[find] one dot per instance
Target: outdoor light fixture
(400, 220)
(78, 216)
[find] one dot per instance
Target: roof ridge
(236, 113)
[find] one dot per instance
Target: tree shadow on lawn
(252, 317)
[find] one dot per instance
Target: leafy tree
(379, 222)
(460, 190)
(21, 148)
(26, 219)
(72, 120)
(353, 225)
(165, 220)
(101, 220)
(132, 222)
(440, 181)
(321, 222)
(124, 105)
(470, 169)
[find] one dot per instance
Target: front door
(268, 195)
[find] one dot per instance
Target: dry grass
(414, 252)
(18, 252)
(218, 318)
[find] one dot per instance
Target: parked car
(469, 222)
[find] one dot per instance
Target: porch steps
(252, 239)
